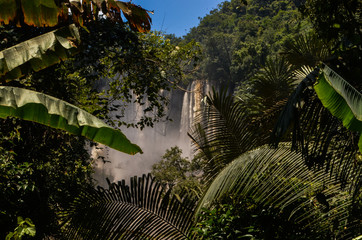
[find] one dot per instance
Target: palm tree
(144, 210)
(276, 179)
(277, 182)
(223, 131)
(324, 112)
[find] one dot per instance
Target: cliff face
(182, 109)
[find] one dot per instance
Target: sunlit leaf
(341, 99)
(137, 17)
(53, 112)
(39, 52)
(49, 13)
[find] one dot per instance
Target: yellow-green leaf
(341, 99)
(53, 112)
(40, 12)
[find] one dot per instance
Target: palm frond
(279, 179)
(321, 138)
(53, 112)
(143, 210)
(275, 81)
(224, 131)
(307, 50)
(295, 101)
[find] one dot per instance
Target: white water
(153, 141)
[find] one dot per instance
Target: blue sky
(176, 16)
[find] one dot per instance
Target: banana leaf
(50, 13)
(39, 52)
(341, 99)
(53, 112)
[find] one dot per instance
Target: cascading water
(182, 108)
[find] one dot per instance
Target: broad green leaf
(39, 52)
(53, 112)
(341, 99)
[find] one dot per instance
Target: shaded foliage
(223, 131)
(335, 19)
(36, 179)
(287, 200)
(43, 170)
(178, 172)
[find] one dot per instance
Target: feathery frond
(319, 136)
(279, 179)
(143, 210)
(307, 50)
(223, 131)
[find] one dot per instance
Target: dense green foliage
(43, 170)
(178, 172)
(245, 219)
(237, 38)
(263, 91)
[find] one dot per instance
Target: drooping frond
(39, 52)
(306, 50)
(53, 112)
(295, 101)
(224, 131)
(279, 179)
(275, 81)
(319, 136)
(143, 210)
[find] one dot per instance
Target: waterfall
(182, 109)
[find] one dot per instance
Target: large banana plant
(39, 52)
(144, 210)
(34, 55)
(278, 180)
(316, 115)
(50, 48)
(341, 99)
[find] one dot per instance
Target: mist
(182, 109)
